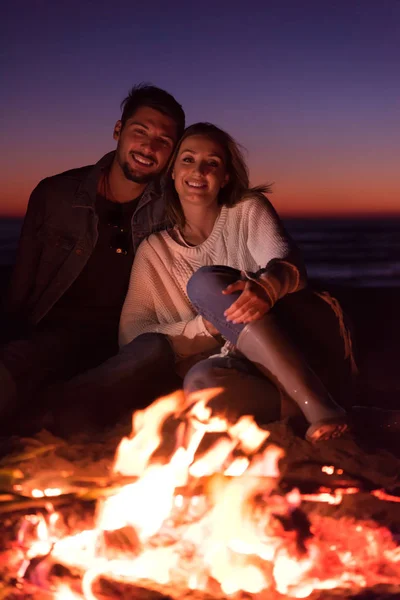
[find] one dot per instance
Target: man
(78, 240)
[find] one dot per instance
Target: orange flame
(210, 516)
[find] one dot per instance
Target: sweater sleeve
(284, 271)
(149, 307)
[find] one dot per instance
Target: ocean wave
(358, 253)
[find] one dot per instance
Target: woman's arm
(151, 306)
(270, 245)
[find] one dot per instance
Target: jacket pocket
(55, 247)
(55, 240)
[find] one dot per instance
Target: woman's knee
(209, 281)
(201, 376)
(237, 393)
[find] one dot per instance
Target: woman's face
(199, 171)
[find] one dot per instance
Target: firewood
(119, 543)
(19, 503)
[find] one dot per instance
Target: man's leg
(32, 363)
(141, 371)
(8, 392)
(28, 366)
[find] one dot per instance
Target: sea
(349, 252)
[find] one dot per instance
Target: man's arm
(25, 269)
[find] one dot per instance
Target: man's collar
(86, 193)
(87, 190)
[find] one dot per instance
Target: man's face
(145, 144)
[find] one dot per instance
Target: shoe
(327, 429)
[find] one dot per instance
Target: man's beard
(136, 177)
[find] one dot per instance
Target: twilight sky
(311, 88)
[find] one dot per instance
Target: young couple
(217, 294)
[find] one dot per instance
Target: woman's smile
(199, 170)
(196, 184)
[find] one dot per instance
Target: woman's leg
(204, 289)
(244, 390)
(265, 344)
(317, 325)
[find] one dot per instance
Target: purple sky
(310, 88)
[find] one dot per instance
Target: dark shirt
(96, 297)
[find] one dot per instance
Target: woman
(220, 274)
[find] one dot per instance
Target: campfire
(196, 505)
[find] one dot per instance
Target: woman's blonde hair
(237, 188)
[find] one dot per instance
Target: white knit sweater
(246, 237)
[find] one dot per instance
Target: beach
(368, 464)
(358, 262)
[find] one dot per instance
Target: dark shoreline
(374, 315)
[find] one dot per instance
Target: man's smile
(143, 160)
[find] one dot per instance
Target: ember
(202, 509)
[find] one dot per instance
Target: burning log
(20, 504)
(198, 512)
(119, 543)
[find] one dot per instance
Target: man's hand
(252, 304)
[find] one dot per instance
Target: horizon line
(285, 215)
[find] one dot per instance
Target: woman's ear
(225, 181)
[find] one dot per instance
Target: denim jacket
(58, 236)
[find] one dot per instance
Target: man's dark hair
(153, 97)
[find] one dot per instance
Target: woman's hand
(252, 304)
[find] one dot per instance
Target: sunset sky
(311, 88)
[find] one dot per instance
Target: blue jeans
(204, 289)
(82, 386)
(142, 371)
(308, 320)
(244, 389)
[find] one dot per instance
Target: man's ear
(117, 130)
